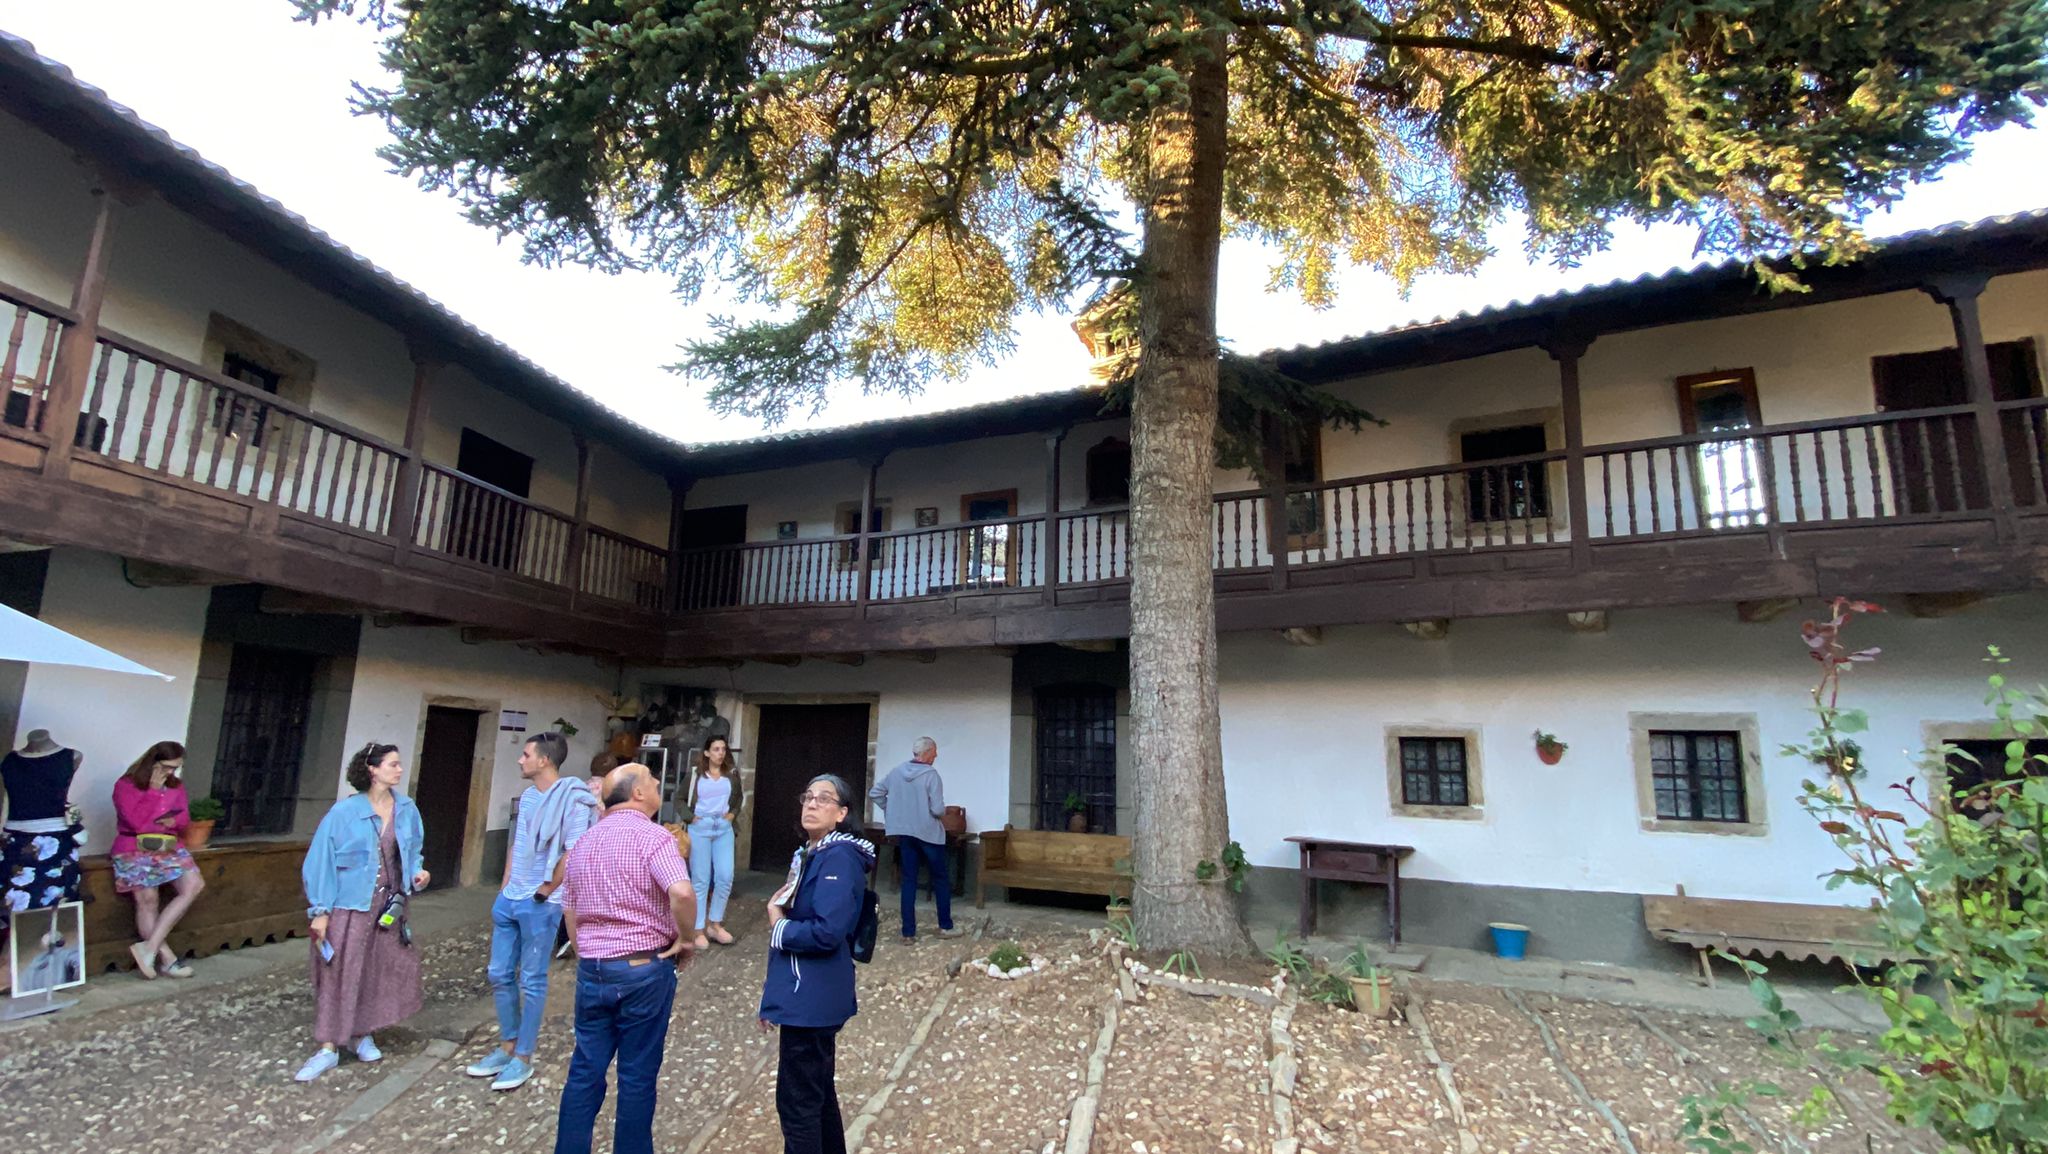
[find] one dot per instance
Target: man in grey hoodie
(912, 799)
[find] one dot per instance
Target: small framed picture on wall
(785, 530)
(927, 516)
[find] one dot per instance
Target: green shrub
(208, 809)
(1008, 956)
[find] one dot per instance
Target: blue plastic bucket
(1509, 940)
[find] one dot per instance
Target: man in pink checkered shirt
(630, 891)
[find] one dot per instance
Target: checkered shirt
(617, 883)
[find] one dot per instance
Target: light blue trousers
(711, 840)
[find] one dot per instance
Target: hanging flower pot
(1549, 750)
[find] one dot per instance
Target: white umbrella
(23, 638)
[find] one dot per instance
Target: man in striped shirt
(629, 889)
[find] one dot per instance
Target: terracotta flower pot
(198, 834)
(954, 820)
(1077, 823)
(1373, 997)
(1550, 754)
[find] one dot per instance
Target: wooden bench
(1845, 934)
(1069, 863)
(253, 895)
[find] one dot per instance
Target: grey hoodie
(912, 797)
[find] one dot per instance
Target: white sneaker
(367, 1051)
(322, 1061)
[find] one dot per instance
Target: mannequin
(39, 853)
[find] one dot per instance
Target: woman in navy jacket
(808, 992)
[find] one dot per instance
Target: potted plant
(1372, 989)
(1548, 748)
(1077, 812)
(1118, 907)
(205, 812)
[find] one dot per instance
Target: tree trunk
(1182, 819)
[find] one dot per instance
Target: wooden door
(988, 553)
(446, 765)
(1931, 472)
(796, 743)
(712, 580)
(262, 738)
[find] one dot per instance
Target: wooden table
(956, 849)
(1350, 861)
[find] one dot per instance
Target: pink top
(616, 882)
(136, 811)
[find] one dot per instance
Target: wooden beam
(864, 554)
(1429, 628)
(1052, 515)
(841, 658)
(406, 498)
(678, 500)
(291, 602)
(1763, 609)
(1566, 348)
(1302, 635)
(1274, 463)
(579, 532)
(921, 656)
(151, 575)
(79, 343)
(1960, 294)
(1092, 644)
(1941, 604)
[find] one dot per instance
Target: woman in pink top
(151, 810)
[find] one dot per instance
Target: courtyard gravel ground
(1001, 1068)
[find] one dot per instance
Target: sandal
(145, 962)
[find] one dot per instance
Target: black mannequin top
(38, 785)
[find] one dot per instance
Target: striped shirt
(617, 884)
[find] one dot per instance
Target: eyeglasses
(820, 799)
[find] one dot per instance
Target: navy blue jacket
(810, 951)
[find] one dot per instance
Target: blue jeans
(711, 841)
(932, 856)
(622, 1010)
(522, 943)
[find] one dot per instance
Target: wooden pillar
(1052, 513)
(79, 342)
(864, 554)
(405, 502)
(1274, 462)
(678, 498)
(579, 533)
(1566, 351)
(1960, 293)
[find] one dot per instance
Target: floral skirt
(38, 870)
(147, 871)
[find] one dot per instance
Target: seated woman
(150, 812)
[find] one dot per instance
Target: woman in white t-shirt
(714, 798)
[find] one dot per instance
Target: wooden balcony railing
(462, 517)
(33, 326)
(1095, 545)
(1512, 501)
(621, 568)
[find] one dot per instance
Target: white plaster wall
(961, 700)
(113, 717)
(1303, 737)
(46, 203)
(398, 668)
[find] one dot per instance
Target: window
(1727, 474)
(242, 415)
(1938, 473)
(1301, 463)
(1981, 760)
(988, 553)
(846, 523)
(1697, 775)
(485, 526)
(1433, 771)
(1518, 492)
(263, 738)
(247, 357)
(1109, 472)
(1076, 755)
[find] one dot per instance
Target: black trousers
(807, 1092)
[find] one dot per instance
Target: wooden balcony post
(1274, 462)
(1960, 293)
(404, 506)
(678, 498)
(75, 348)
(1052, 513)
(579, 533)
(863, 555)
(1566, 350)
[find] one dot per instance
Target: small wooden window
(1433, 771)
(1979, 761)
(1718, 402)
(1109, 472)
(1696, 775)
(846, 523)
(1511, 492)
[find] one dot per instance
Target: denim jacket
(341, 864)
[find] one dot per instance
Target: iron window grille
(1697, 775)
(1433, 771)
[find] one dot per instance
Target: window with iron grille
(1077, 754)
(1697, 775)
(262, 738)
(1433, 771)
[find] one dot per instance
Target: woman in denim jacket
(362, 867)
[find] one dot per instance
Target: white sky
(267, 99)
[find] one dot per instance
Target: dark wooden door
(262, 738)
(712, 580)
(796, 743)
(446, 764)
(1944, 474)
